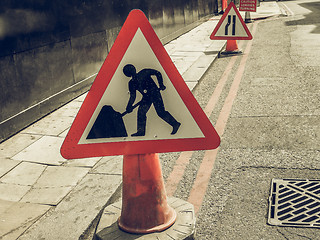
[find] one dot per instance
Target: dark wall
(50, 51)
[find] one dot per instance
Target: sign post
(139, 105)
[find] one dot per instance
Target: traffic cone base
(183, 228)
(146, 230)
(144, 202)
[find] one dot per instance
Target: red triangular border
(71, 149)
(213, 37)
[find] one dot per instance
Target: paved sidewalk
(44, 196)
(265, 10)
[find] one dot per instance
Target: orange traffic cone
(144, 201)
(231, 48)
(224, 5)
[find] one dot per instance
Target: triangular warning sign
(138, 103)
(231, 26)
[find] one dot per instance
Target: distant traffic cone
(231, 48)
(144, 201)
(224, 5)
(247, 17)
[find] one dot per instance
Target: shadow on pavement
(311, 18)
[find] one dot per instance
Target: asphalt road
(267, 114)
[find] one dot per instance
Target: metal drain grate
(295, 203)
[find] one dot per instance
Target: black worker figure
(143, 83)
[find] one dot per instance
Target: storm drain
(295, 203)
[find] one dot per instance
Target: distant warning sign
(138, 103)
(231, 26)
(248, 5)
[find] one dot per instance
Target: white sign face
(117, 95)
(231, 26)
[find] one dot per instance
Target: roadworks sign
(138, 103)
(231, 26)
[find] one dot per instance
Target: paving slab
(182, 64)
(15, 144)
(215, 46)
(12, 192)
(46, 150)
(180, 59)
(266, 9)
(5, 205)
(25, 174)
(205, 60)
(17, 217)
(84, 162)
(64, 133)
(196, 71)
(75, 213)
(46, 195)
(6, 165)
(109, 165)
(191, 85)
(50, 125)
(194, 47)
(69, 110)
(57, 176)
(191, 55)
